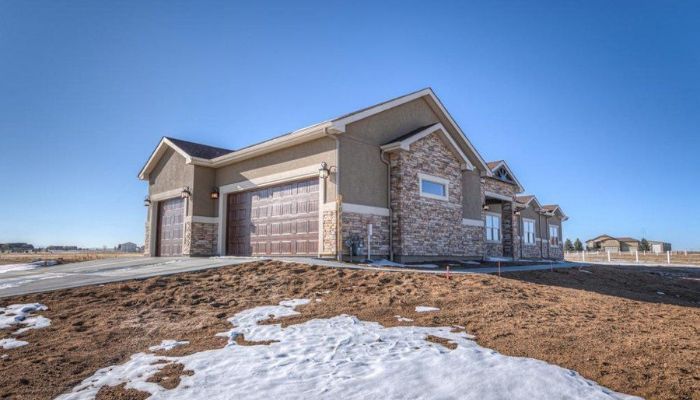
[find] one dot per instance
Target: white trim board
(203, 220)
(472, 222)
(272, 179)
(362, 209)
(494, 195)
(435, 179)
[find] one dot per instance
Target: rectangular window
(529, 231)
(554, 235)
(493, 227)
(433, 187)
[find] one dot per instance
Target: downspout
(391, 210)
(539, 222)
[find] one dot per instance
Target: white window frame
(529, 238)
(488, 228)
(434, 179)
(552, 238)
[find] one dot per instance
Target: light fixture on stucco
(147, 202)
(214, 194)
(323, 170)
(186, 192)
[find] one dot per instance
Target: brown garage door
(170, 226)
(278, 220)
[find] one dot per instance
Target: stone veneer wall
(532, 250)
(424, 226)
(330, 232)
(201, 238)
(356, 224)
(147, 243)
(556, 252)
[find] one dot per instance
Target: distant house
(127, 247)
(16, 248)
(622, 244)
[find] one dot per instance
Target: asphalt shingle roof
(199, 150)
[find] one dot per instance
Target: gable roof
(526, 199)
(404, 142)
(194, 153)
(199, 150)
(332, 126)
(553, 208)
(495, 165)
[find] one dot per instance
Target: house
(541, 227)
(127, 247)
(398, 179)
(624, 244)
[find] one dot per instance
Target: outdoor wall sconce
(486, 208)
(517, 213)
(214, 194)
(147, 202)
(186, 192)
(323, 171)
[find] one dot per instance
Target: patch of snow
(426, 309)
(27, 266)
(169, 345)
(586, 271)
(19, 314)
(498, 259)
(343, 357)
(12, 343)
(660, 293)
(386, 263)
(402, 319)
(16, 282)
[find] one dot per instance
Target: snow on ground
(16, 282)
(426, 309)
(402, 319)
(20, 314)
(387, 263)
(168, 345)
(343, 357)
(26, 266)
(11, 343)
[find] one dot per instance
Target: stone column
(508, 229)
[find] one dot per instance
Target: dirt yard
(633, 330)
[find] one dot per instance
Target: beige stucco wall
(204, 183)
(283, 160)
(471, 195)
(170, 173)
(363, 175)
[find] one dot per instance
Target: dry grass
(609, 323)
(62, 257)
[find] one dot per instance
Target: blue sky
(593, 104)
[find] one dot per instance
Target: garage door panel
(280, 220)
(170, 227)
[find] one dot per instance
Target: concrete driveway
(43, 279)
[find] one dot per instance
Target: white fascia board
(157, 153)
(340, 124)
(406, 143)
(296, 137)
